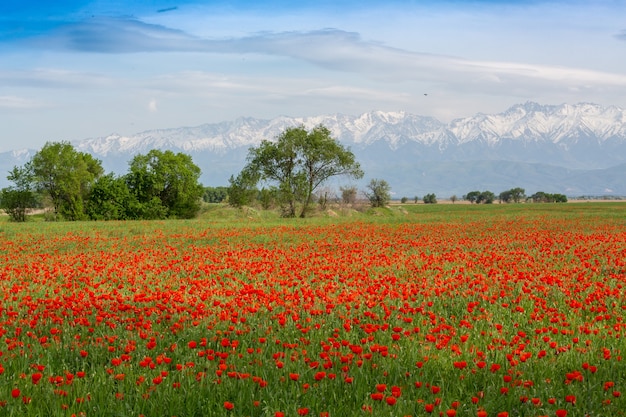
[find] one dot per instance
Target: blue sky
(73, 69)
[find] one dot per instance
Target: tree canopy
(158, 185)
(17, 199)
(165, 184)
(297, 163)
(378, 192)
(65, 176)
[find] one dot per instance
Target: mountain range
(577, 149)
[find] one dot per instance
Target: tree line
(158, 185)
(162, 184)
(514, 195)
(286, 173)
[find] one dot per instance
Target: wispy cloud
(114, 35)
(331, 49)
(622, 35)
(54, 78)
(13, 102)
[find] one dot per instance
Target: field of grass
(443, 310)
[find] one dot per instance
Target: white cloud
(13, 102)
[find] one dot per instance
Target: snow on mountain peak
(535, 122)
(527, 122)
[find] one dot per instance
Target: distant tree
(486, 197)
(541, 197)
(472, 196)
(517, 194)
(505, 197)
(430, 199)
(348, 194)
(416, 199)
(403, 200)
(18, 198)
(215, 194)
(453, 198)
(65, 176)
(378, 192)
(165, 184)
(514, 195)
(298, 163)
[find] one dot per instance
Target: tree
(17, 199)
(472, 196)
(165, 184)
(453, 198)
(541, 197)
(242, 189)
(110, 199)
(514, 195)
(486, 197)
(215, 194)
(517, 194)
(66, 176)
(298, 163)
(379, 193)
(430, 199)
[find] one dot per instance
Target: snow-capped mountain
(398, 146)
(536, 123)
(529, 122)
(367, 128)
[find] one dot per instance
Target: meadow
(443, 310)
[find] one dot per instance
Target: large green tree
(110, 199)
(65, 175)
(297, 163)
(165, 184)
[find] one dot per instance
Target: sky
(77, 69)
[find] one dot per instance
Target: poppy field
(464, 311)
